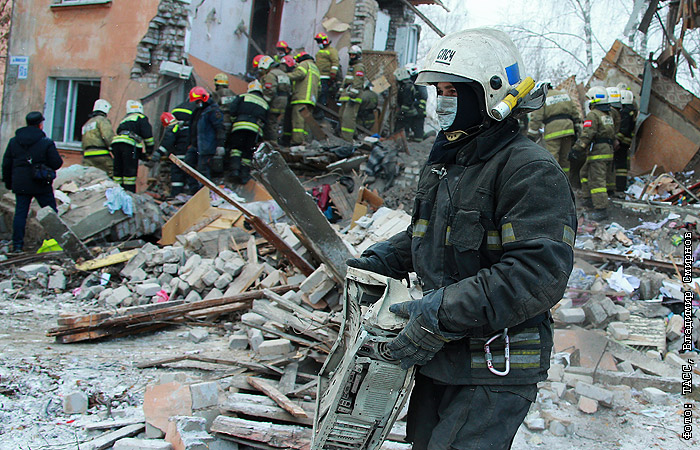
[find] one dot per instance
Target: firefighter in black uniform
(175, 140)
(628, 120)
(248, 114)
(133, 133)
(491, 240)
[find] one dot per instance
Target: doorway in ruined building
(265, 20)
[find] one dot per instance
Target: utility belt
(486, 331)
(557, 117)
(94, 150)
(602, 141)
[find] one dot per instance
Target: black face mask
(471, 107)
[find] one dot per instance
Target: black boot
(586, 202)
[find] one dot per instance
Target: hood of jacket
(28, 136)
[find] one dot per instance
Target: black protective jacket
(17, 173)
(175, 140)
(493, 228)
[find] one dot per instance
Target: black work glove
(421, 338)
(371, 263)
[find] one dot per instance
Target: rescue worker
(349, 94)
(255, 72)
(598, 134)
(328, 63)
(306, 78)
(224, 96)
(628, 120)
(97, 135)
(405, 101)
(288, 64)
(28, 148)
(205, 129)
(183, 113)
(491, 254)
(249, 112)
(283, 49)
(175, 140)
(276, 90)
(368, 106)
(559, 118)
(421, 103)
(133, 133)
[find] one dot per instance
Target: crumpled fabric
(118, 199)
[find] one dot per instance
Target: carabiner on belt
(489, 357)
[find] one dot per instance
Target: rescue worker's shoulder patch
(268, 85)
(587, 123)
(360, 73)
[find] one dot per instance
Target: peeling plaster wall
(301, 20)
(78, 41)
(212, 35)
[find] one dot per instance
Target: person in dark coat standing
(29, 147)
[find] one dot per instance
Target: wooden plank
(168, 313)
(205, 222)
(300, 326)
(289, 378)
(251, 272)
(188, 215)
(266, 368)
(277, 436)
(216, 311)
(119, 423)
(278, 397)
(341, 200)
(98, 263)
(107, 440)
(320, 317)
(293, 338)
(265, 408)
(315, 128)
(252, 251)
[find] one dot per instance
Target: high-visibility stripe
(420, 228)
(568, 237)
(246, 161)
(252, 98)
(177, 183)
(599, 190)
(181, 110)
(236, 152)
(566, 169)
(447, 236)
(584, 180)
(149, 141)
(507, 233)
(298, 130)
(117, 180)
(599, 157)
(557, 134)
(356, 100)
(89, 153)
(276, 111)
(347, 130)
(344, 98)
(243, 125)
(493, 240)
(521, 359)
(121, 138)
(621, 171)
(325, 77)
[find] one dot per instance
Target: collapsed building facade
(65, 54)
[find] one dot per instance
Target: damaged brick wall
(400, 15)
(164, 41)
(363, 24)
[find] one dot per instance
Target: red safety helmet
(167, 119)
(321, 38)
(198, 93)
(282, 45)
(256, 60)
(289, 61)
(299, 55)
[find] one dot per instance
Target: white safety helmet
(626, 97)
(597, 94)
(484, 55)
(613, 96)
(255, 85)
(134, 106)
(355, 50)
(102, 105)
(401, 74)
(413, 69)
(265, 62)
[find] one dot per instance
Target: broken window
(68, 104)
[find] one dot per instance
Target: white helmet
(401, 74)
(597, 94)
(355, 50)
(265, 62)
(413, 69)
(255, 85)
(626, 97)
(102, 105)
(134, 106)
(484, 55)
(613, 96)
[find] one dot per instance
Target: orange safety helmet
(167, 119)
(299, 55)
(321, 38)
(289, 61)
(282, 45)
(198, 93)
(256, 60)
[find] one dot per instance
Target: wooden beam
(424, 18)
(256, 222)
(279, 398)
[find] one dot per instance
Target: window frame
(71, 106)
(67, 3)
